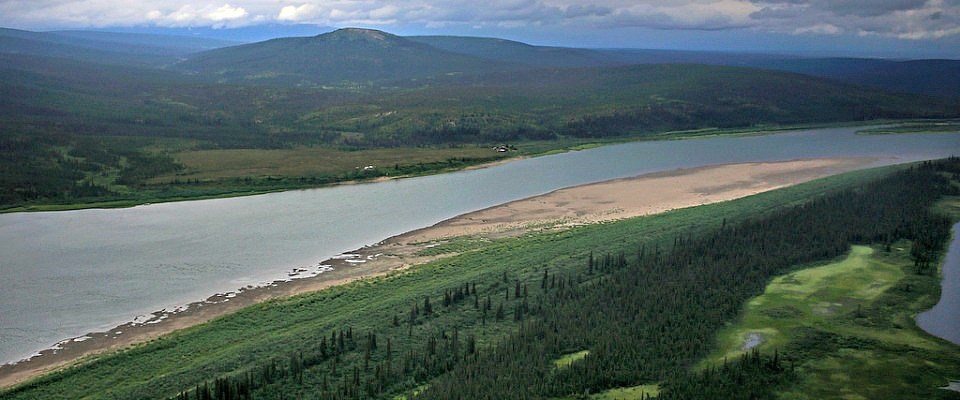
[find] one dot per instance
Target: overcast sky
(852, 27)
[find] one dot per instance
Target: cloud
(716, 15)
(577, 11)
(904, 19)
(385, 12)
(900, 19)
(188, 15)
(28, 14)
(820, 29)
(226, 13)
(299, 13)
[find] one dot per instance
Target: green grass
(628, 393)
(145, 198)
(922, 127)
(412, 393)
(233, 173)
(454, 245)
(639, 392)
(811, 296)
(848, 325)
(310, 161)
(567, 359)
(950, 206)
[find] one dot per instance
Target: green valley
(849, 329)
(76, 132)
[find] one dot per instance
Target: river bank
(591, 203)
(524, 150)
(940, 320)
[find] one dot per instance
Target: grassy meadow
(849, 328)
(115, 172)
(207, 165)
(915, 127)
(199, 174)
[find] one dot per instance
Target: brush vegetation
(915, 127)
(637, 302)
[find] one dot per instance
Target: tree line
(645, 316)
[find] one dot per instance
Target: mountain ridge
(104, 47)
(357, 57)
(344, 55)
(127, 121)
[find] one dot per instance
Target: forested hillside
(75, 132)
(932, 77)
(345, 57)
(89, 117)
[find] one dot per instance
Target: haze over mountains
(105, 47)
(364, 56)
(353, 55)
(370, 55)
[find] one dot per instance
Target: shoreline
(669, 135)
(110, 204)
(560, 209)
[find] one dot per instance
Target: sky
(873, 28)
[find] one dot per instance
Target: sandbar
(560, 209)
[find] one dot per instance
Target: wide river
(943, 320)
(64, 274)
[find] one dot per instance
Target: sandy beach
(592, 203)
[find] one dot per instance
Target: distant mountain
(367, 56)
(656, 56)
(934, 77)
(239, 35)
(48, 45)
(521, 53)
(362, 56)
(86, 107)
(344, 55)
(564, 57)
(147, 43)
(104, 47)
(46, 95)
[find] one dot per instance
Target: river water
(64, 274)
(943, 320)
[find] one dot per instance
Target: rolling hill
(931, 77)
(511, 104)
(568, 57)
(509, 51)
(344, 56)
(146, 43)
(355, 57)
(73, 127)
(492, 90)
(105, 47)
